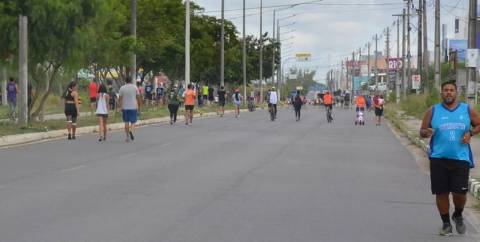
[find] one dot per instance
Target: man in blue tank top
(450, 125)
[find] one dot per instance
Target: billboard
(460, 45)
(394, 64)
(303, 57)
(358, 81)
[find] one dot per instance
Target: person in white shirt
(102, 111)
(273, 99)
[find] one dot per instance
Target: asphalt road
(222, 180)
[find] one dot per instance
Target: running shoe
(69, 137)
(459, 225)
(446, 230)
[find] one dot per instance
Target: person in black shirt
(221, 101)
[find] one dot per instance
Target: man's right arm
(425, 130)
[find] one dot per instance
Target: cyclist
(272, 101)
(328, 102)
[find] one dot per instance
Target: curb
(20, 139)
(473, 184)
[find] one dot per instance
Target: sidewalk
(410, 126)
(20, 139)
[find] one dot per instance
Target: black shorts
(71, 112)
(378, 111)
(148, 97)
(189, 107)
(93, 99)
(221, 103)
(360, 109)
(449, 176)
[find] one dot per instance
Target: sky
(332, 29)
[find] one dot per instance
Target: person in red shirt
(190, 96)
(92, 93)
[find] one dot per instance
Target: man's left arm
(475, 122)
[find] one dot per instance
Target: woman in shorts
(237, 100)
(72, 109)
(102, 111)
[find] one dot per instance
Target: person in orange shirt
(190, 96)
(328, 100)
(92, 93)
(361, 103)
(328, 103)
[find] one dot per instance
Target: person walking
(92, 93)
(221, 101)
(450, 125)
(273, 100)
(103, 99)
(130, 101)
(237, 101)
(378, 103)
(173, 103)
(12, 93)
(72, 109)
(190, 96)
(297, 105)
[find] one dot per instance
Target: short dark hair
(128, 79)
(190, 86)
(11, 79)
(72, 84)
(451, 82)
(102, 88)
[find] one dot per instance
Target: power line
(310, 2)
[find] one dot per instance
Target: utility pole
(273, 50)
(4, 86)
(419, 45)
(222, 54)
(23, 69)
(346, 75)
(388, 57)
(133, 30)
(404, 69)
(409, 54)
(472, 32)
(376, 61)
(261, 51)
(426, 58)
(187, 42)
(353, 76)
(437, 44)
(397, 81)
(244, 57)
(280, 66)
(368, 63)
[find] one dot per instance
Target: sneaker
(446, 230)
(73, 137)
(100, 139)
(459, 225)
(69, 137)
(131, 135)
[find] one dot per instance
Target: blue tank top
(449, 127)
(12, 91)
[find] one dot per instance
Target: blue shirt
(449, 127)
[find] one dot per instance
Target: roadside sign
(303, 57)
(394, 64)
(416, 81)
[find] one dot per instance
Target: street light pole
(133, 29)
(244, 57)
(472, 32)
(273, 50)
(222, 55)
(437, 44)
(187, 42)
(261, 52)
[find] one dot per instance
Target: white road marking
(73, 168)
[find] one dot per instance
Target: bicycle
(329, 114)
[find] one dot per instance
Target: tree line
(68, 36)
